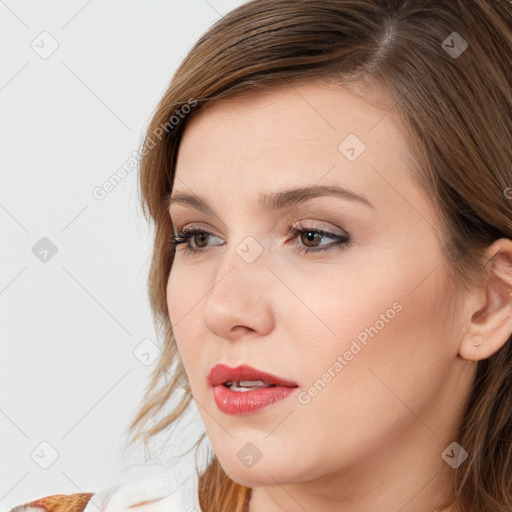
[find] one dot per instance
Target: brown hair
(456, 111)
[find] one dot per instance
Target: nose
(240, 300)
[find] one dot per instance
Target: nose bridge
(243, 265)
(240, 294)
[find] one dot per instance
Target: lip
(247, 402)
(221, 373)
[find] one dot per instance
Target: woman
(374, 377)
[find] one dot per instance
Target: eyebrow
(276, 200)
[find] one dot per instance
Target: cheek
(390, 348)
(181, 299)
(174, 289)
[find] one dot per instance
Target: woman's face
(362, 329)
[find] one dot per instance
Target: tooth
(251, 383)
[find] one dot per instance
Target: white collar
(169, 492)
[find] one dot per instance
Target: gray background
(78, 83)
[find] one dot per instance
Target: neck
(383, 481)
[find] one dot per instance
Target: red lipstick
(243, 390)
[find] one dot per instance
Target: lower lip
(246, 402)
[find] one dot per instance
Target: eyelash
(183, 237)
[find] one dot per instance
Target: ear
(490, 306)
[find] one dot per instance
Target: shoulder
(57, 503)
(167, 493)
(170, 492)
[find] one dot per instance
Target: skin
(372, 438)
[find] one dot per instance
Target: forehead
(291, 135)
(325, 106)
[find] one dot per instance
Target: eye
(310, 236)
(184, 236)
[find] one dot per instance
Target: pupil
(202, 237)
(309, 235)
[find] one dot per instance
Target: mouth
(245, 377)
(244, 390)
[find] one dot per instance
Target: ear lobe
(490, 326)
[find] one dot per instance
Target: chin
(265, 472)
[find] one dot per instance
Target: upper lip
(221, 373)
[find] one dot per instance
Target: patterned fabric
(57, 503)
(170, 491)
